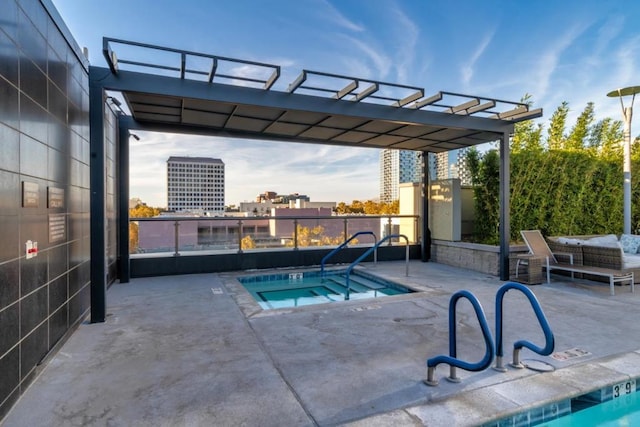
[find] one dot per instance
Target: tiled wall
(111, 194)
(44, 142)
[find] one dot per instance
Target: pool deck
(194, 350)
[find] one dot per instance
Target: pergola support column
(426, 233)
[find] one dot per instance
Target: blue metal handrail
(452, 359)
(345, 243)
(367, 252)
(517, 346)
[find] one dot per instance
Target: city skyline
(574, 51)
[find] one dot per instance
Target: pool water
(623, 411)
(285, 290)
(615, 405)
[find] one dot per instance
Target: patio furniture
(587, 250)
(538, 246)
(533, 272)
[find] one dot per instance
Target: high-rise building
(195, 184)
(397, 167)
(451, 164)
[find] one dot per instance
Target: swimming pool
(615, 405)
(285, 290)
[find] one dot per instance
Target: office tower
(195, 184)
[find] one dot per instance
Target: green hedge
(564, 184)
(560, 192)
(565, 193)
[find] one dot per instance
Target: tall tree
(485, 173)
(140, 211)
(143, 211)
(557, 124)
(606, 137)
(368, 207)
(577, 138)
(526, 135)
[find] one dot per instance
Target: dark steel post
(425, 241)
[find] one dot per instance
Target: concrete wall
(468, 213)
(410, 203)
(445, 210)
(472, 256)
(44, 148)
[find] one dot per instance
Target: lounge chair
(538, 247)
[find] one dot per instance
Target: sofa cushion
(608, 241)
(569, 241)
(630, 243)
(631, 261)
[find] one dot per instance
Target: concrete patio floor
(195, 351)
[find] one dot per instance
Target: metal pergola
(178, 91)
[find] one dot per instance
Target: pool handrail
(345, 243)
(518, 345)
(452, 359)
(368, 251)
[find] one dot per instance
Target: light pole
(627, 114)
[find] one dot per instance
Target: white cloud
(338, 18)
(380, 61)
(408, 36)
(626, 59)
(468, 68)
(376, 58)
(548, 60)
(590, 81)
(606, 34)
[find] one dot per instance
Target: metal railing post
(176, 227)
(406, 258)
(295, 234)
(389, 230)
(345, 228)
(240, 232)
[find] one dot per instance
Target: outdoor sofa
(602, 251)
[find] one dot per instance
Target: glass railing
(179, 235)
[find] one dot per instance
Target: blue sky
(574, 51)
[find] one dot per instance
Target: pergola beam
(242, 95)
